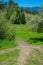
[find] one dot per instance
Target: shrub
(36, 24)
(10, 35)
(2, 29)
(6, 30)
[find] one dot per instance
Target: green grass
(4, 44)
(22, 32)
(35, 58)
(12, 57)
(5, 56)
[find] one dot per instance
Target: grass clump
(4, 44)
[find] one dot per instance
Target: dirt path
(22, 45)
(24, 51)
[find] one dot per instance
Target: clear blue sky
(29, 3)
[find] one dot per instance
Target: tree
(17, 16)
(22, 17)
(10, 9)
(1, 5)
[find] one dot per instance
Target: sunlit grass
(23, 32)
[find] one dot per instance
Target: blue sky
(29, 3)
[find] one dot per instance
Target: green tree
(22, 17)
(1, 5)
(10, 9)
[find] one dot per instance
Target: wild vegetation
(17, 23)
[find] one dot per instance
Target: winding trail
(24, 48)
(24, 51)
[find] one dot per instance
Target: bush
(36, 24)
(2, 29)
(6, 30)
(10, 35)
